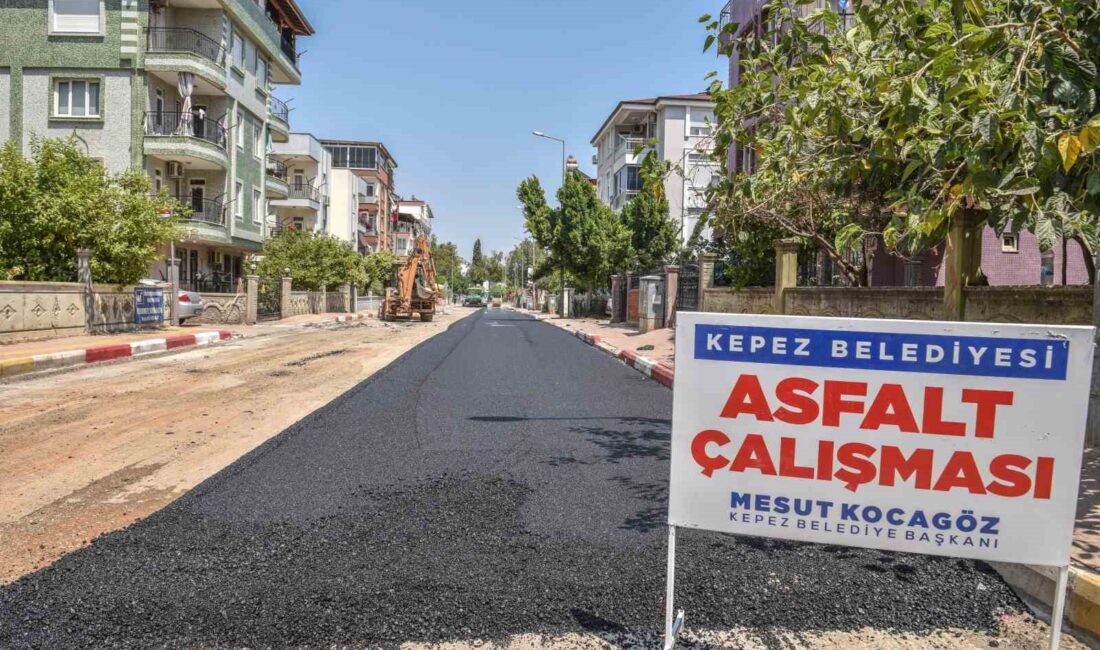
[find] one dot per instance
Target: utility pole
(564, 170)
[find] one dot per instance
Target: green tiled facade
(138, 123)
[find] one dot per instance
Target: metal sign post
(1057, 611)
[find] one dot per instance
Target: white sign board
(959, 439)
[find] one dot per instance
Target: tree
(378, 271)
(60, 201)
(923, 114)
(476, 258)
(582, 236)
(313, 260)
(448, 265)
(653, 236)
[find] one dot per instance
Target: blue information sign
(148, 305)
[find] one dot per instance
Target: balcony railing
(307, 192)
(182, 39)
(279, 109)
(184, 124)
(276, 169)
(630, 145)
(204, 210)
(289, 50)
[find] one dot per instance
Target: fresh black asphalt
(500, 478)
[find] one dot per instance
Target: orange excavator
(415, 290)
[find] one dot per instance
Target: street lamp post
(561, 269)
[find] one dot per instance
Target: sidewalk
(33, 356)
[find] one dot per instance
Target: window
(76, 98)
(238, 201)
(158, 180)
(261, 73)
(700, 130)
(76, 17)
(253, 58)
(257, 205)
(240, 129)
(371, 190)
(353, 157)
(238, 50)
(1010, 243)
(257, 141)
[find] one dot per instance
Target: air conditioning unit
(175, 169)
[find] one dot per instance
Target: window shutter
(76, 16)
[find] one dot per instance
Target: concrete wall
(32, 311)
(742, 301)
(108, 138)
(1046, 305)
(344, 190)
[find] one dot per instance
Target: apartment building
(302, 201)
(1011, 258)
(678, 129)
(348, 191)
(414, 220)
(180, 88)
(372, 162)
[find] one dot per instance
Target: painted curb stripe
(58, 359)
(179, 341)
(11, 367)
(147, 346)
(107, 352)
(55, 360)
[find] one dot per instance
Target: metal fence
(687, 288)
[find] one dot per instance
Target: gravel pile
(505, 525)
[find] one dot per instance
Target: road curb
(99, 353)
(1037, 584)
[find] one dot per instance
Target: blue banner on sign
(148, 305)
(932, 353)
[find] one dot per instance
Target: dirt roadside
(87, 452)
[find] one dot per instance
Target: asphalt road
(500, 478)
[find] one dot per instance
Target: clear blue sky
(454, 90)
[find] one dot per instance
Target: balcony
(199, 143)
(172, 50)
(280, 119)
(305, 193)
(300, 200)
(209, 211)
(182, 39)
(276, 179)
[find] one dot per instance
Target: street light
(540, 134)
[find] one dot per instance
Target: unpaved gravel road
(93, 450)
(503, 482)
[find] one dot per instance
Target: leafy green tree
(313, 260)
(448, 265)
(583, 237)
(922, 114)
(654, 238)
(378, 271)
(60, 201)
